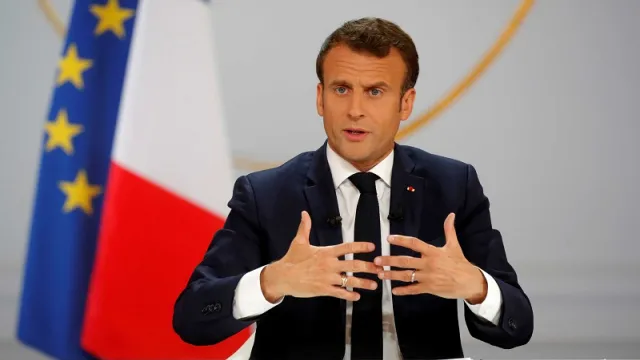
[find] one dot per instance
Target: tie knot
(365, 182)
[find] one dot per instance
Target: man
(360, 249)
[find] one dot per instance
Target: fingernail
(357, 297)
(373, 286)
(390, 238)
(381, 275)
(377, 260)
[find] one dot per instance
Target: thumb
(450, 232)
(304, 228)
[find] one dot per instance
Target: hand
(444, 272)
(309, 271)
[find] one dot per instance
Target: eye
(341, 90)
(375, 92)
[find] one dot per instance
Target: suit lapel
(323, 204)
(407, 198)
(321, 199)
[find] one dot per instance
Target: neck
(368, 164)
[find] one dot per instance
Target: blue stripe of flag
(62, 243)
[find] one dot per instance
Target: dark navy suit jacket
(264, 217)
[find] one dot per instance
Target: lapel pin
(411, 189)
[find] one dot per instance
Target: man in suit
(361, 248)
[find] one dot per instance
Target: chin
(356, 155)
(353, 152)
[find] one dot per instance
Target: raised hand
(444, 271)
(309, 271)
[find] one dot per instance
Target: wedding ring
(413, 276)
(344, 281)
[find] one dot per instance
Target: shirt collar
(341, 169)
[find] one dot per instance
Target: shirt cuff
(489, 309)
(249, 300)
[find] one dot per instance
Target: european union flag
(77, 143)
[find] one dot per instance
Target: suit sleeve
(203, 312)
(483, 246)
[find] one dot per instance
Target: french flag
(164, 190)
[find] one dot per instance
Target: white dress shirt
(250, 301)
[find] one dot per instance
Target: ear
(319, 101)
(406, 104)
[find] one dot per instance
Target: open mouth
(355, 132)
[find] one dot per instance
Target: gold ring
(344, 281)
(413, 276)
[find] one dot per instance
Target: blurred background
(551, 126)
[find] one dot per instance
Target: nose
(355, 107)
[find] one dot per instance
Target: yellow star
(61, 132)
(71, 68)
(111, 17)
(79, 193)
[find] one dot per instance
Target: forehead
(345, 64)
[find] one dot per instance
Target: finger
(341, 293)
(399, 275)
(360, 283)
(407, 262)
(357, 266)
(450, 232)
(304, 229)
(350, 248)
(412, 289)
(410, 242)
(354, 282)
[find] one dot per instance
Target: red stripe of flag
(150, 242)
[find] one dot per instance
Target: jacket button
(210, 308)
(512, 324)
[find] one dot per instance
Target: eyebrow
(377, 84)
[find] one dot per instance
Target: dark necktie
(366, 325)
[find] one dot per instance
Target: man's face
(361, 104)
